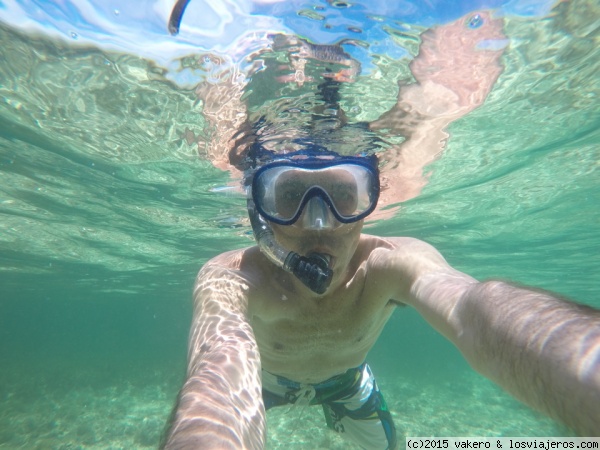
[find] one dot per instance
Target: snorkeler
(291, 320)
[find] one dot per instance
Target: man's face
(317, 205)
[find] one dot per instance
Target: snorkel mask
(313, 191)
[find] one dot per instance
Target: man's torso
(310, 339)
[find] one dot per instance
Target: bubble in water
(116, 12)
(475, 21)
(74, 35)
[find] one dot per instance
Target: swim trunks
(352, 403)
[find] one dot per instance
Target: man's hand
(457, 66)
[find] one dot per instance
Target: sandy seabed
(99, 409)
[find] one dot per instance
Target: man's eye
(289, 195)
(345, 200)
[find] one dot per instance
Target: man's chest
(349, 318)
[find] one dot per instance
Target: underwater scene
(117, 185)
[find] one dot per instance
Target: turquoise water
(107, 212)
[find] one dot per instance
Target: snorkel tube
(176, 16)
(313, 270)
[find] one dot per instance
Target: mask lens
(282, 191)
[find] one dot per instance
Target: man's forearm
(542, 349)
(220, 404)
(209, 416)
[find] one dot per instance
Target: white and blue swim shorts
(352, 403)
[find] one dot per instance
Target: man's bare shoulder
(405, 255)
(245, 266)
(232, 259)
(391, 243)
(227, 279)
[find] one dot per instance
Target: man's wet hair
(252, 150)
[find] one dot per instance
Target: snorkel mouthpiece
(313, 270)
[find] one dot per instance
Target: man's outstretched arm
(457, 67)
(220, 404)
(542, 349)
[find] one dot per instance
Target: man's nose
(317, 216)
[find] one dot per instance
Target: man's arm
(220, 404)
(542, 349)
(455, 70)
